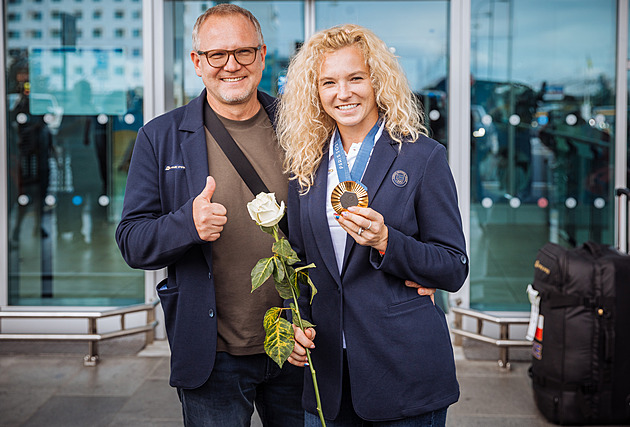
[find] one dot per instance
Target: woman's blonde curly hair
(304, 128)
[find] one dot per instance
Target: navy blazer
(168, 170)
(398, 345)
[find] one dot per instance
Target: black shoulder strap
(239, 160)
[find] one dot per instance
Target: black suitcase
(581, 350)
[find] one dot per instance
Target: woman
(383, 352)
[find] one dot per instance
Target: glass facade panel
(282, 24)
(74, 107)
(542, 108)
(542, 127)
(417, 32)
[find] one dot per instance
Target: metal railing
(92, 336)
(503, 343)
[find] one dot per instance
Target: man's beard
(237, 99)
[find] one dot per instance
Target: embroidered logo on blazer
(538, 265)
(168, 168)
(400, 178)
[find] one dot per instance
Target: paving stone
(114, 376)
(486, 421)
(128, 390)
(154, 399)
(76, 411)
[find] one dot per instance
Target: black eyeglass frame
(229, 52)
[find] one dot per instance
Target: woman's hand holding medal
(366, 226)
(349, 199)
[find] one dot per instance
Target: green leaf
(304, 267)
(283, 248)
(271, 316)
(279, 273)
(304, 278)
(293, 280)
(268, 230)
(279, 339)
(284, 289)
(289, 271)
(305, 323)
(261, 272)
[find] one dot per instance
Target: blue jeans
(239, 382)
(347, 417)
(430, 419)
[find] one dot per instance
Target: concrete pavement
(46, 384)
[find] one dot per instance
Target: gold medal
(346, 194)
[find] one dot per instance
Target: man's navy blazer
(397, 343)
(168, 170)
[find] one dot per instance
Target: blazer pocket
(168, 300)
(410, 305)
(164, 290)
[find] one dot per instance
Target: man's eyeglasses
(219, 57)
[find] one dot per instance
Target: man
(185, 209)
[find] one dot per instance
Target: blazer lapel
(193, 145)
(317, 213)
(195, 156)
(195, 153)
(383, 155)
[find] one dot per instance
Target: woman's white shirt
(337, 233)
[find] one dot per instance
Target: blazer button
(463, 259)
(211, 313)
(210, 275)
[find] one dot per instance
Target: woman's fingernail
(336, 216)
(306, 364)
(345, 214)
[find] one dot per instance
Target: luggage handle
(619, 192)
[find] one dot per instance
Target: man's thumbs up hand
(209, 218)
(208, 190)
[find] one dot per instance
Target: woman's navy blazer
(399, 351)
(168, 170)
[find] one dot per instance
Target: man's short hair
(224, 9)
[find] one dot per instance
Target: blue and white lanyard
(341, 162)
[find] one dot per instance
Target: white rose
(265, 210)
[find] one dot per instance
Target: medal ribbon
(360, 163)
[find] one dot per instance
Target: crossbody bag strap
(238, 159)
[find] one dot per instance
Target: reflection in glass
(282, 24)
(74, 107)
(417, 32)
(542, 110)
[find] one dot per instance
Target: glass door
(74, 96)
(542, 124)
